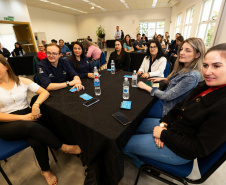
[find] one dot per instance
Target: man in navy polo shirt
(55, 73)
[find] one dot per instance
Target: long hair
(220, 48)
(75, 61)
(122, 50)
(128, 43)
(160, 50)
(198, 47)
(11, 74)
(20, 47)
(159, 35)
(88, 43)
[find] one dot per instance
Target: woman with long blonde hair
(184, 77)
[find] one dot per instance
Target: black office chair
(207, 166)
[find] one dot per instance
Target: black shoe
(91, 174)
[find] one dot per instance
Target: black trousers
(37, 136)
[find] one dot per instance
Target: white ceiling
(85, 6)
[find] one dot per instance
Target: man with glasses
(56, 73)
(138, 44)
(64, 49)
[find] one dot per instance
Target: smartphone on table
(91, 102)
(121, 118)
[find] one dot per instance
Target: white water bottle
(134, 79)
(112, 67)
(97, 90)
(125, 94)
(95, 71)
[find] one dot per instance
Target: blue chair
(207, 166)
(105, 54)
(167, 69)
(102, 59)
(10, 148)
(36, 80)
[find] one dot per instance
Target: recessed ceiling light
(92, 8)
(94, 5)
(154, 3)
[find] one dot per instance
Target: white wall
(128, 21)
(56, 25)
(16, 8)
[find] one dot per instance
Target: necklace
(10, 95)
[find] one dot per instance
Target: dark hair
(11, 74)
(178, 34)
(53, 40)
(138, 34)
(130, 43)
(20, 47)
(180, 38)
(160, 50)
(53, 44)
(220, 48)
(122, 50)
(154, 36)
(75, 61)
(61, 40)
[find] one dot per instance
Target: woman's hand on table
(79, 87)
(159, 80)
(91, 75)
(145, 75)
(159, 143)
(144, 86)
(139, 73)
(157, 131)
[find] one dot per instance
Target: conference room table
(137, 58)
(93, 128)
(22, 65)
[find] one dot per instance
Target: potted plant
(100, 32)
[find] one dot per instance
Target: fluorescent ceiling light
(94, 5)
(46, 1)
(125, 4)
(92, 8)
(154, 3)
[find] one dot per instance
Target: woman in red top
(42, 52)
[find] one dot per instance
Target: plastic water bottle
(95, 71)
(97, 90)
(134, 79)
(112, 67)
(125, 94)
(20, 53)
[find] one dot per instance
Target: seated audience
(120, 57)
(184, 77)
(144, 38)
(173, 45)
(64, 49)
(166, 39)
(128, 47)
(194, 127)
(18, 49)
(42, 52)
(155, 36)
(18, 121)
(159, 38)
(55, 72)
(44, 42)
(5, 52)
(138, 44)
(80, 62)
(53, 41)
(93, 52)
(154, 62)
(174, 51)
(89, 39)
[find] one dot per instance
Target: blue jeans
(156, 110)
(143, 144)
(96, 63)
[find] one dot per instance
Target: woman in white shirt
(18, 121)
(154, 62)
(160, 39)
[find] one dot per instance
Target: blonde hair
(198, 47)
(11, 74)
(88, 43)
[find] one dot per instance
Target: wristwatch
(67, 82)
(162, 125)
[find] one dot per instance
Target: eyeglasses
(53, 54)
(153, 47)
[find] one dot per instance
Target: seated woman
(18, 49)
(120, 57)
(159, 38)
(154, 62)
(128, 47)
(18, 121)
(144, 38)
(184, 77)
(42, 52)
(80, 62)
(93, 52)
(193, 128)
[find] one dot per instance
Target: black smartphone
(91, 102)
(121, 118)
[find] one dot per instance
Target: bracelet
(37, 103)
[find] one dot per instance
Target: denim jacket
(178, 88)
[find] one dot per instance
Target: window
(178, 23)
(149, 28)
(8, 41)
(207, 25)
(188, 22)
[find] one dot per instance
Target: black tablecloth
(93, 128)
(22, 65)
(136, 59)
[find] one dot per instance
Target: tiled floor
(22, 169)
